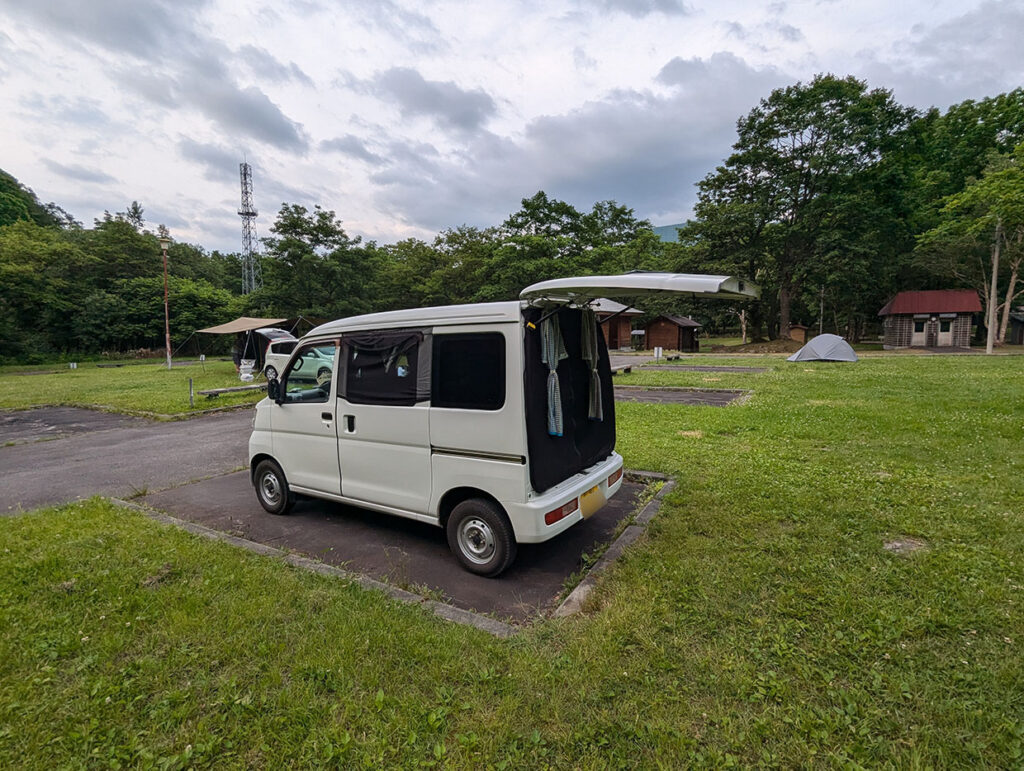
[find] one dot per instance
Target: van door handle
(350, 423)
(326, 416)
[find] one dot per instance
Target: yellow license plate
(591, 501)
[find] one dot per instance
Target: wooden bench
(213, 393)
(623, 370)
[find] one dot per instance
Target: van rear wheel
(481, 537)
(272, 489)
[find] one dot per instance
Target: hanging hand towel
(588, 342)
(552, 352)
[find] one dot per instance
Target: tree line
(834, 198)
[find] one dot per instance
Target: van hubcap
(270, 488)
(476, 540)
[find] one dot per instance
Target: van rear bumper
(528, 518)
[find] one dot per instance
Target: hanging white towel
(588, 342)
(553, 351)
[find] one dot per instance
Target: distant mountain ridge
(668, 232)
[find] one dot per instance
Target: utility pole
(165, 242)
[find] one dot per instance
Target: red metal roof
(933, 301)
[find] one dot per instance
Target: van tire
(481, 537)
(272, 489)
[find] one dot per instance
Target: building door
(919, 337)
(945, 332)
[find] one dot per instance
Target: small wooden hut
(677, 333)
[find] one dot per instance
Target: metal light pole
(165, 241)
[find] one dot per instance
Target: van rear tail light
(615, 477)
(561, 512)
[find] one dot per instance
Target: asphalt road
(97, 454)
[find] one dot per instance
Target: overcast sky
(410, 117)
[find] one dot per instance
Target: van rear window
(468, 371)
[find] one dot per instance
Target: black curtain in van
(584, 442)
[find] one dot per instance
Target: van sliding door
(383, 414)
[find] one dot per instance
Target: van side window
(382, 368)
(468, 371)
(308, 379)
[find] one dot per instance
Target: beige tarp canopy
(241, 324)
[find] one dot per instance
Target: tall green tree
(800, 171)
(980, 238)
(312, 268)
(43, 278)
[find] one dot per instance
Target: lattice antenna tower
(252, 276)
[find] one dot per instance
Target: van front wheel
(481, 537)
(272, 488)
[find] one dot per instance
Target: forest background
(835, 198)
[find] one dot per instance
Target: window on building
(944, 325)
(381, 368)
(919, 326)
(468, 371)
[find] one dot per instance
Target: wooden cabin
(616, 321)
(676, 333)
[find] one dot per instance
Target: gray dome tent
(825, 348)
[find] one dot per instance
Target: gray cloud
(186, 65)
(354, 147)
(641, 149)
(975, 55)
(145, 30)
(78, 111)
(443, 101)
(263, 64)
(581, 60)
(419, 33)
(78, 173)
(639, 8)
(787, 32)
(219, 163)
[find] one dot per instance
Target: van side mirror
(274, 390)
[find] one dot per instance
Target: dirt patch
(708, 397)
(765, 346)
(694, 434)
(905, 545)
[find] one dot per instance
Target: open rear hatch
(569, 397)
(580, 290)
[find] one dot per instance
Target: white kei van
(495, 421)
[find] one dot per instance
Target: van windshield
(584, 411)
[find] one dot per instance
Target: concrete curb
(449, 613)
(573, 603)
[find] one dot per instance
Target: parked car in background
(279, 350)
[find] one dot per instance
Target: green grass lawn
(136, 387)
(761, 621)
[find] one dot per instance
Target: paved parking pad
(404, 553)
(21, 426)
(708, 397)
